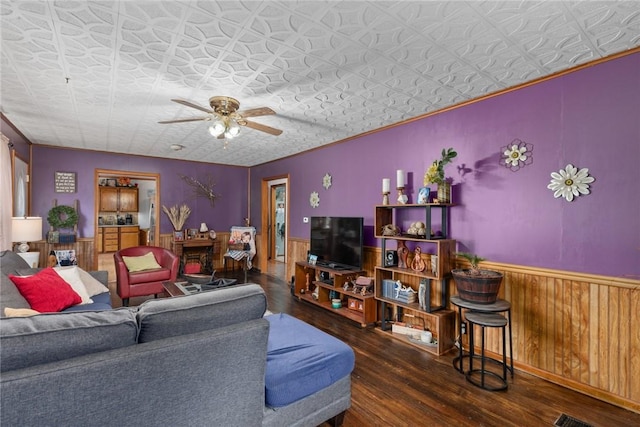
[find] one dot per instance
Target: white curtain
(5, 201)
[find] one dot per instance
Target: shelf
(308, 273)
(437, 319)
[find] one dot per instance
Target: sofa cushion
(100, 302)
(141, 263)
(168, 317)
(302, 360)
(93, 281)
(19, 312)
(28, 341)
(72, 277)
(46, 291)
(10, 262)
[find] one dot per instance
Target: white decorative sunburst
(314, 199)
(326, 181)
(570, 182)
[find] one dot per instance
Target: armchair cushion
(141, 263)
(160, 274)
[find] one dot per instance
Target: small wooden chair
(241, 248)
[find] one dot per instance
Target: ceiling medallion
(314, 199)
(570, 182)
(326, 181)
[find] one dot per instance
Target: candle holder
(385, 198)
(402, 198)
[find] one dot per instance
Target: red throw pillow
(46, 291)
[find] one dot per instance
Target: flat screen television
(337, 241)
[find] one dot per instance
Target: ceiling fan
(225, 118)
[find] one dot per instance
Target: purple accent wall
(588, 118)
(229, 209)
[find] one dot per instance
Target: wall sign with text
(65, 182)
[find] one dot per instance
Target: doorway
(278, 203)
(148, 185)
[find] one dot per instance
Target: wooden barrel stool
(487, 320)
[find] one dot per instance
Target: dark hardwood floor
(394, 384)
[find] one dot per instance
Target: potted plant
(474, 284)
(435, 175)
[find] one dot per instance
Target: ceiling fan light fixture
(217, 127)
(233, 129)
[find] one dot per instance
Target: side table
(500, 306)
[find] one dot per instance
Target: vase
(444, 192)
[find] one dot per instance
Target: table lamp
(23, 230)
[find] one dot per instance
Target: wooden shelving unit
(436, 318)
(323, 281)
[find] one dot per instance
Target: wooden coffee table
(172, 289)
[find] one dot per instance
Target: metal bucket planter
(481, 288)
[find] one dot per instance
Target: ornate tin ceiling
(100, 75)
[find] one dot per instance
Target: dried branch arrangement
(177, 215)
(202, 189)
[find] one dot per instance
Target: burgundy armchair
(147, 282)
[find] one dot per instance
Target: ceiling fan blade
(255, 112)
(193, 119)
(192, 105)
(263, 128)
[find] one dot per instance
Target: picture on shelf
(178, 236)
(423, 195)
(192, 233)
(313, 259)
(66, 258)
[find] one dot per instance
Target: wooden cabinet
(129, 236)
(112, 239)
(436, 252)
(118, 199)
(319, 285)
(128, 199)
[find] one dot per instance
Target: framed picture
(423, 195)
(192, 233)
(313, 259)
(66, 258)
(111, 182)
(178, 236)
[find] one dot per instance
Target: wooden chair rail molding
(573, 329)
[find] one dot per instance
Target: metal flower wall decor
(202, 189)
(314, 199)
(516, 155)
(570, 182)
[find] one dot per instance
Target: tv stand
(357, 307)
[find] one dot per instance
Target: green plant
(473, 260)
(435, 173)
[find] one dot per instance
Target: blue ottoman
(302, 360)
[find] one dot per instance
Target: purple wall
(229, 209)
(588, 118)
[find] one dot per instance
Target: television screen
(337, 241)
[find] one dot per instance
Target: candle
(386, 185)
(400, 178)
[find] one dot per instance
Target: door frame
(266, 216)
(96, 201)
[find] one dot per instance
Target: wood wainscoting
(572, 329)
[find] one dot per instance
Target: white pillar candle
(400, 178)
(386, 185)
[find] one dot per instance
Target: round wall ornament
(62, 217)
(570, 182)
(314, 199)
(326, 181)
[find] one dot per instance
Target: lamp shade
(26, 228)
